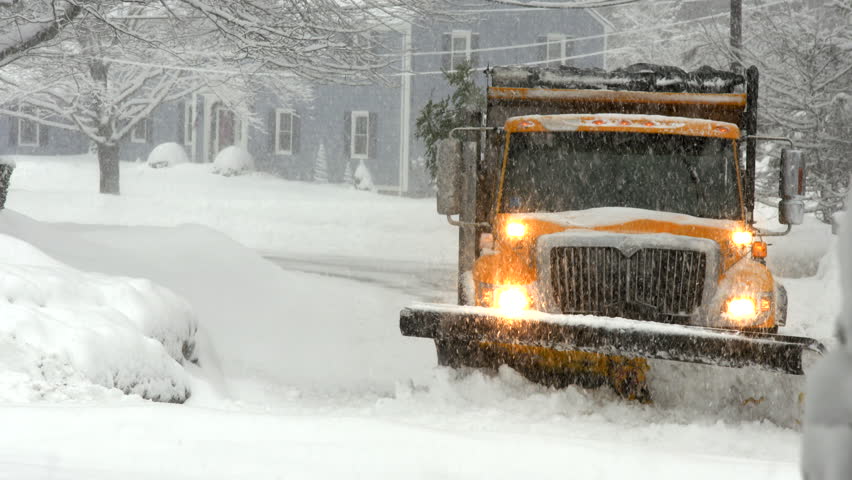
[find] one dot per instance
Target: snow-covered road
(304, 373)
(426, 282)
(174, 442)
(331, 389)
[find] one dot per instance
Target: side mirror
(791, 209)
(449, 177)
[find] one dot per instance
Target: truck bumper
(613, 336)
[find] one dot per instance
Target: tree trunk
(110, 173)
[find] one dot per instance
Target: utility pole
(737, 34)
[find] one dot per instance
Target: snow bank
(65, 331)
(232, 161)
(167, 155)
(262, 325)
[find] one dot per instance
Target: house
(373, 124)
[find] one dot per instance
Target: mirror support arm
(458, 223)
(775, 234)
(771, 139)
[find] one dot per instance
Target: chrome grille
(655, 284)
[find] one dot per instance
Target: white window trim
(466, 34)
(21, 143)
(353, 123)
(189, 124)
(133, 138)
(293, 116)
(562, 39)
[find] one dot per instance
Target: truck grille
(652, 284)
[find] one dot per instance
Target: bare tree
(805, 57)
(26, 25)
(103, 67)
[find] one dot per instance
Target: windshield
(562, 171)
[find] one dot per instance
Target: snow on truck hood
(607, 216)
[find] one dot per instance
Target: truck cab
(629, 216)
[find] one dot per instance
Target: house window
(557, 48)
(28, 131)
(139, 133)
(459, 47)
(284, 131)
(359, 148)
(189, 124)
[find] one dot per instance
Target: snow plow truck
(606, 221)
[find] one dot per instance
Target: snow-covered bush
(321, 166)
(233, 160)
(362, 178)
(167, 155)
(348, 176)
(64, 332)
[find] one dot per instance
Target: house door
(226, 129)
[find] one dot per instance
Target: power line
(487, 49)
(599, 36)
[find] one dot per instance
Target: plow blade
(614, 336)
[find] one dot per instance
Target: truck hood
(595, 218)
(635, 221)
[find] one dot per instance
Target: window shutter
(149, 126)
(347, 134)
(43, 135)
(181, 125)
(446, 45)
(13, 131)
(542, 48)
(474, 55)
(272, 128)
(297, 134)
(372, 149)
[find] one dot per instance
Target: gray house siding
(501, 27)
(52, 140)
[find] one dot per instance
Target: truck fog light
(743, 308)
(512, 298)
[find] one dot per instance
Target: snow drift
(65, 332)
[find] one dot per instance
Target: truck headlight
(512, 298)
(742, 308)
(742, 238)
(516, 230)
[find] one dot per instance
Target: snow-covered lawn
(306, 376)
(260, 211)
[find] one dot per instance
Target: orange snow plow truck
(606, 221)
